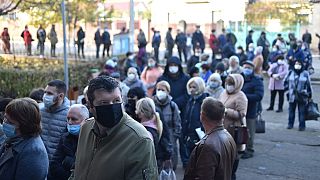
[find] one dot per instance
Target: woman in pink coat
(150, 74)
(277, 73)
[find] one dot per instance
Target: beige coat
(258, 62)
(236, 103)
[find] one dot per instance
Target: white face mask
(151, 64)
(297, 66)
(230, 89)
(274, 49)
(251, 49)
(48, 100)
(161, 95)
(131, 77)
(303, 47)
(280, 61)
(173, 69)
(238, 51)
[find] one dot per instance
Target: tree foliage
(289, 12)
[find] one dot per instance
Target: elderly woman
(235, 102)
(234, 65)
(191, 121)
(214, 86)
(23, 155)
(133, 80)
(171, 115)
(299, 85)
(277, 73)
(150, 74)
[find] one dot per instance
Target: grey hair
(84, 112)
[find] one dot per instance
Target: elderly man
(234, 65)
(64, 157)
(214, 155)
(112, 145)
(54, 114)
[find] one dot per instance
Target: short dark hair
(205, 67)
(26, 112)
(37, 94)
(3, 103)
(240, 47)
(106, 83)
(60, 85)
(213, 30)
(136, 91)
(213, 109)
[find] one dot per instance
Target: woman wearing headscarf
(214, 86)
(235, 102)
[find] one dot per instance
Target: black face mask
(109, 115)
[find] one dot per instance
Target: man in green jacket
(112, 145)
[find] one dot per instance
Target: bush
(19, 77)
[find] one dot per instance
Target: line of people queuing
(137, 117)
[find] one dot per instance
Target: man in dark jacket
(222, 39)
(249, 39)
(241, 55)
(41, 36)
(97, 39)
(197, 37)
(294, 54)
(81, 35)
(263, 42)
(64, 157)
(214, 155)
(253, 89)
(307, 38)
(228, 49)
(181, 41)
(54, 115)
(169, 42)
(156, 40)
(106, 42)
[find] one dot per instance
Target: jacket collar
(11, 145)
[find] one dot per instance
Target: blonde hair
(164, 84)
(199, 82)
(147, 107)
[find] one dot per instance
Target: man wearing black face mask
(112, 145)
(134, 94)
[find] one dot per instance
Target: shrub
(19, 77)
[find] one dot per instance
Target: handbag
(260, 124)
(240, 134)
(167, 172)
(312, 111)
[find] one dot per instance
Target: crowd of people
(135, 116)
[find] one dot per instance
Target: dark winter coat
(106, 38)
(307, 38)
(197, 37)
(169, 40)
(97, 37)
(64, 157)
(253, 89)
(178, 84)
(228, 50)
(296, 56)
(181, 40)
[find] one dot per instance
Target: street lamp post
(65, 60)
(131, 46)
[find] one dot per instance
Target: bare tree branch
(11, 7)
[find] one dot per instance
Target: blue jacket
(296, 55)
(250, 55)
(106, 38)
(222, 40)
(191, 119)
(54, 124)
(178, 84)
(23, 158)
(228, 50)
(253, 89)
(197, 37)
(64, 157)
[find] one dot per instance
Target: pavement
(282, 154)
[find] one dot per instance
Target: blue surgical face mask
(9, 130)
(48, 100)
(214, 85)
(247, 72)
(74, 129)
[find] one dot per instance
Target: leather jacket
(213, 157)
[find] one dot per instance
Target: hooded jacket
(235, 103)
(54, 124)
(178, 84)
